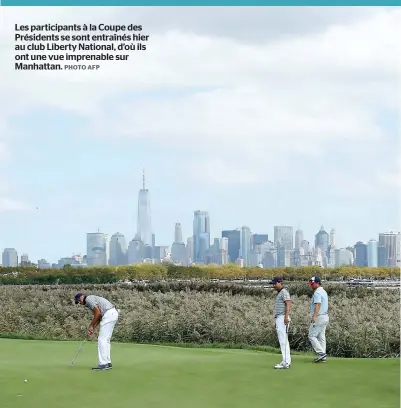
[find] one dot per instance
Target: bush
(368, 327)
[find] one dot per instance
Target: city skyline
(257, 135)
(142, 228)
(105, 248)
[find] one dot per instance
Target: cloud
(391, 178)
(8, 204)
(267, 99)
(3, 151)
(214, 170)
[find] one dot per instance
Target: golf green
(156, 376)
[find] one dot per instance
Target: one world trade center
(144, 225)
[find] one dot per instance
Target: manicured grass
(156, 376)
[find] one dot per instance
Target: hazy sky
(261, 116)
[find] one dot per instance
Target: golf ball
(25, 380)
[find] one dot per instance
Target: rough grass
(153, 377)
(367, 326)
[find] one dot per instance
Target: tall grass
(363, 323)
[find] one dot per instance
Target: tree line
(112, 274)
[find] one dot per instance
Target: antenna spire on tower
(143, 179)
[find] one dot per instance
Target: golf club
(80, 348)
(286, 341)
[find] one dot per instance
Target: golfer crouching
(105, 314)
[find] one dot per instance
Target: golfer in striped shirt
(282, 317)
(106, 315)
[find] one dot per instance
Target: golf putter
(286, 341)
(80, 348)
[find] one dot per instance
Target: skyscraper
(245, 244)
(178, 249)
(201, 235)
(332, 239)
(361, 254)
(118, 250)
(10, 257)
(234, 243)
(258, 239)
(284, 236)
(373, 253)
(96, 248)
(392, 242)
(144, 225)
(343, 257)
(178, 233)
(135, 250)
(306, 247)
(322, 242)
(190, 250)
(382, 256)
(299, 237)
(298, 252)
(223, 259)
(25, 260)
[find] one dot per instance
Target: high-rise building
(299, 237)
(322, 242)
(284, 257)
(44, 264)
(136, 250)
(178, 249)
(373, 253)
(144, 224)
(333, 238)
(223, 251)
(331, 257)
(118, 250)
(270, 256)
(234, 243)
(201, 235)
(245, 247)
(343, 257)
(306, 247)
(178, 233)
(160, 253)
(190, 250)
(96, 248)
(10, 257)
(382, 256)
(224, 244)
(25, 260)
(259, 239)
(179, 253)
(284, 236)
(361, 254)
(392, 242)
(74, 260)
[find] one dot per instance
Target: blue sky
(290, 124)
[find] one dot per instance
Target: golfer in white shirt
(319, 319)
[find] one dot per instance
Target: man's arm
(95, 321)
(317, 300)
(287, 301)
(287, 311)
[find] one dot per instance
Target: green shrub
(110, 274)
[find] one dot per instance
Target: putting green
(156, 376)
